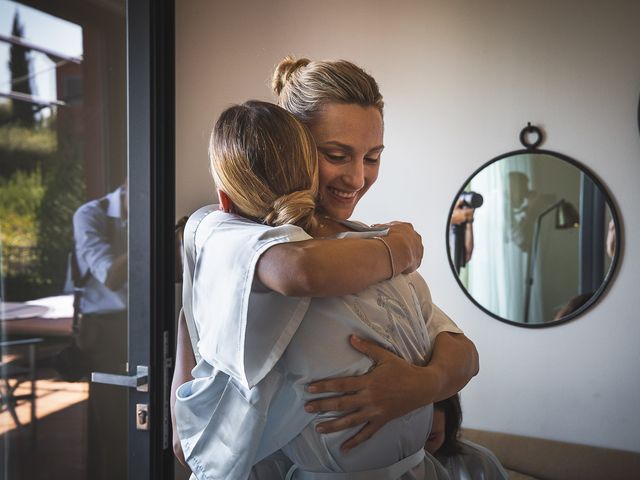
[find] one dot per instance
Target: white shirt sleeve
(437, 321)
(93, 250)
(243, 331)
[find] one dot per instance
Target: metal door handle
(140, 381)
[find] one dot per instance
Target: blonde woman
(342, 106)
(260, 348)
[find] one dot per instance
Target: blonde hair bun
(304, 87)
(285, 69)
(294, 208)
(266, 161)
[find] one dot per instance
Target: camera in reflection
(471, 199)
(461, 229)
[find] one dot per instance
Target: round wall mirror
(533, 237)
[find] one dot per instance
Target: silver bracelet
(393, 265)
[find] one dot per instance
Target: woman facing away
(260, 348)
(342, 106)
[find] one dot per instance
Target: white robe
(246, 401)
(473, 462)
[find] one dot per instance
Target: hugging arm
(395, 387)
(314, 268)
(333, 267)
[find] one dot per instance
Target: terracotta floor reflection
(59, 451)
(53, 396)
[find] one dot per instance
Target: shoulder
(222, 222)
(233, 233)
(481, 458)
(356, 224)
(473, 449)
(89, 212)
(361, 230)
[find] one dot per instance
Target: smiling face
(349, 140)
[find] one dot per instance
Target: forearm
(453, 363)
(405, 386)
(184, 363)
(394, 387)
(117, 274)
(330, 267)
(321, 268)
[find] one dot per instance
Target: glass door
(86, 247)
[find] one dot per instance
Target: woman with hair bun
(260, 348)
(342, 107)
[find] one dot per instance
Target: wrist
(401, 253)
(431, 384)
(392, 265)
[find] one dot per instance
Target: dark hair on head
(572, 305)
(452, 421)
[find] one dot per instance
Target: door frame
(151, 165)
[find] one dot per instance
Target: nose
(353, 177)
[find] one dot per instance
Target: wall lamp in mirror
(533, 237)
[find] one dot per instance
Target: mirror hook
(529, 130)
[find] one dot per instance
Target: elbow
(298, 276)
(468, 351)
(296, 284)
(117, 273)
(114, 281)
(476, 364)
(475, 359)
(111, 283)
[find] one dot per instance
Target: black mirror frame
(608, 279)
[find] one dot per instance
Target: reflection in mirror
(533, 238)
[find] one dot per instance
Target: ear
(225, 202)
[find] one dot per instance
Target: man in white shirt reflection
(100, 236)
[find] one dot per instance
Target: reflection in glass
(62, 147)
(541, 237)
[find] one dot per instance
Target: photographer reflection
(461, 228)
(100, 236)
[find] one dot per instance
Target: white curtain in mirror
(495, 277)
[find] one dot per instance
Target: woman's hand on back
(394, 387)
(391, 389)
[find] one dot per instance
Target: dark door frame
(151, 159)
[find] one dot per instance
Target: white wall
(460, 79)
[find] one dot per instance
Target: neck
(328, 227)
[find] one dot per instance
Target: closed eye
(372, 160)
(335, 158)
